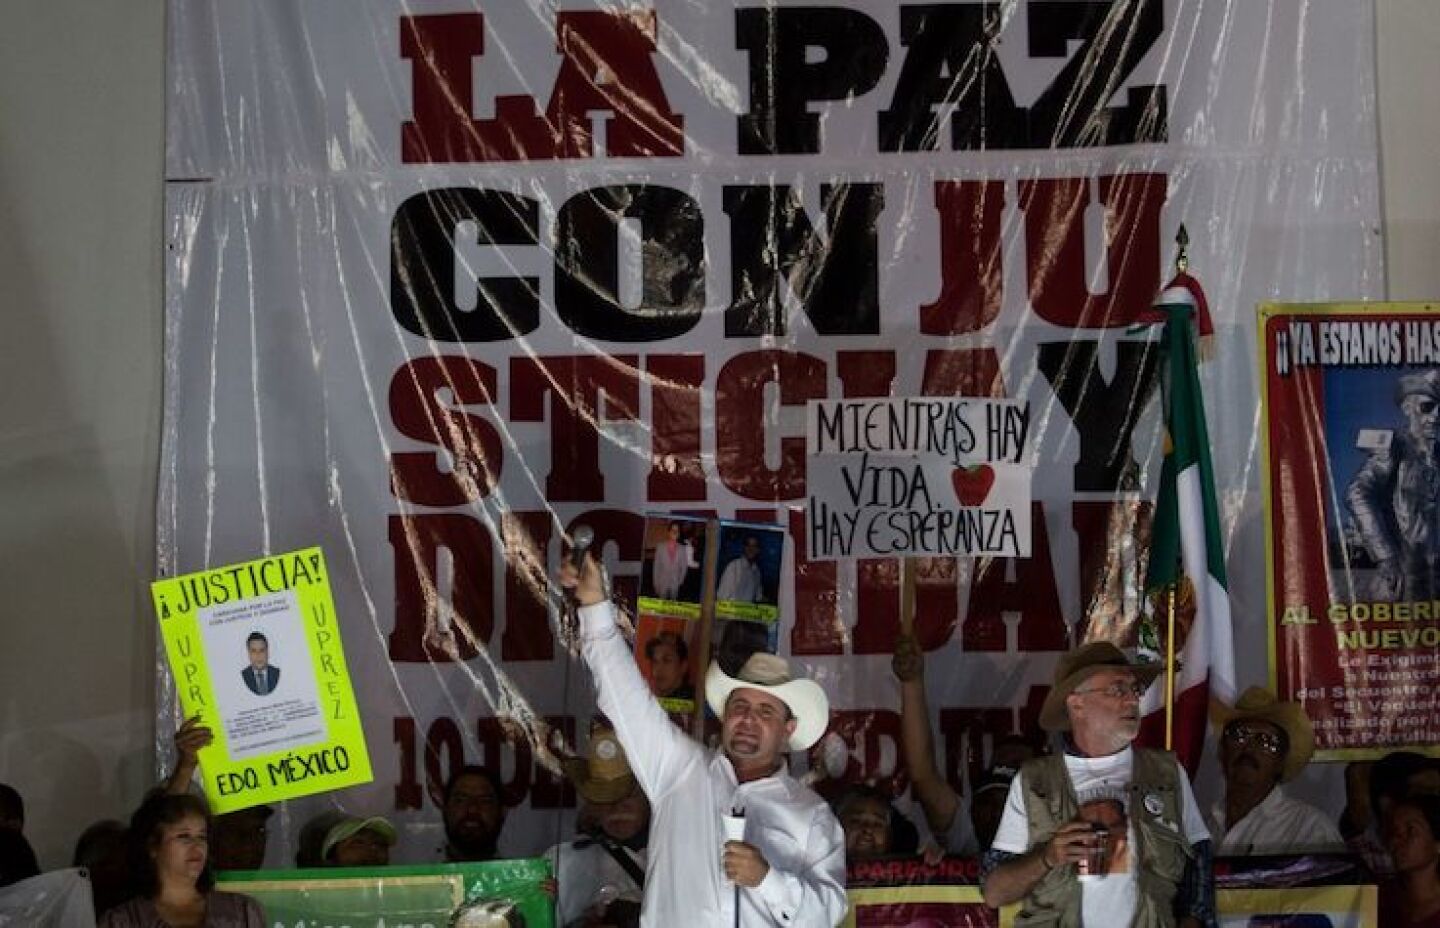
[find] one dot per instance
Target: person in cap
(1263, 743)
(353, 841)
(606, 864)
(1151, 864)
(987, 803)
(789, 868)
(1395, 496)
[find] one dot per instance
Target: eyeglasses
(1267, 741)
(1118, 690)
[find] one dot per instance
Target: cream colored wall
(81, 147)
(1409, 34)
(81, 142)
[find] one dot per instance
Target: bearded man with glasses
(1103, 833)
(1263, 743)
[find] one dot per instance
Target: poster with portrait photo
(248, 645)
(255, 648)
(747, 571)
(1351, 419)
(1379, 425)
(672, 566)
(665, 649)
(732, 641)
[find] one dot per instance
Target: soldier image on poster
(1395, 496)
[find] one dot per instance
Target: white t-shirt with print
(1101, 785)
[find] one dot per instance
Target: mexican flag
(1185, 553)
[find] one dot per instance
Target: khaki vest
(1160, 848)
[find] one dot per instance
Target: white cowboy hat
(770, 673)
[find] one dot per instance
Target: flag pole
(1170, 671)
(907, 595)
(1182, 264)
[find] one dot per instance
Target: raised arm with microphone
(582, 538)
(789, 873)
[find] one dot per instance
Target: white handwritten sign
(961, 429)
(917, 477)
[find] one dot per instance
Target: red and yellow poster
(1351, 421)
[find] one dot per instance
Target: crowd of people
(1082, 827)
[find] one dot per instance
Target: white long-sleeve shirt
(690, 788)
(741, 581)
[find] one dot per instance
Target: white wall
(81, 147)
(1409, 34)
(81, 143)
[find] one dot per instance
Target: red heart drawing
(972, 484)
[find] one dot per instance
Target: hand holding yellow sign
(256, 653)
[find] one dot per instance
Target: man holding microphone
(790, 866)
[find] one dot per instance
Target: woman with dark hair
(1411, 829)
(170, 870)
(873, 826)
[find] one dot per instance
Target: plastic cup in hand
(1096, 863)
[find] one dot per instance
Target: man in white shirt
(742, 581)
(260, 675)
(1105, 833)
(789, 869)
(1265, 742)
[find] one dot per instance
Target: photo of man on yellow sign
(256, 653)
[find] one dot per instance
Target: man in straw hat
(1265, 742)
(1103, 833)
(788, 870)
(606, 864)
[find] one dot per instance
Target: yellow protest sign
(256, 653)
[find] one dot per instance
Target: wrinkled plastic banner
(1352, 429)
(58, 899)
(447, 279)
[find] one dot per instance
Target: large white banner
(446, 279)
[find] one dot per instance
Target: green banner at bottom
(499, 894)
